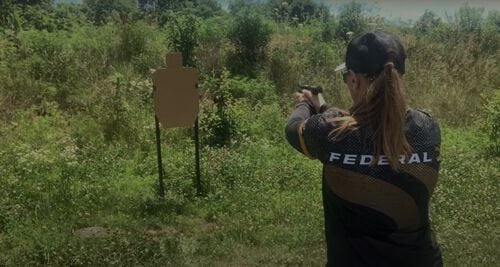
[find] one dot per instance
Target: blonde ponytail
(382, 109)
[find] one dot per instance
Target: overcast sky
(413, 9)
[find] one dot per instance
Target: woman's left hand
(307, 96)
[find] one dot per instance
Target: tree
(428, 21)
(99, 11)
(173, 5)
(351, 19)
(297, 11)
(183, 36)
(249, 35)
(8, 7)
(470, 19)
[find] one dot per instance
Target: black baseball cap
(368, 52)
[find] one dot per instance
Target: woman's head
(366, 56)
(374, 64)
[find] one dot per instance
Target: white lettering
(334, 156)
(364, 160)
(402, 159)
(383, 160)
(350, 159)
(426, 159)
(414, 158)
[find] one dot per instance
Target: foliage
(250, 36)
(328, 31)
(493, 20)
(141, 45)
(470, 19)
(351, 19)
(213, 45)
(199, 8)
(281, 71)
(40, 15)
(297, 11)
(237, 5)
(205, 8)
(183, 36)
(100, 11)
(218, 125)
(427, 22)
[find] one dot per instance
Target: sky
(413, 9)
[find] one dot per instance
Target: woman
(380, 161)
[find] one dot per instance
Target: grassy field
(264, 209)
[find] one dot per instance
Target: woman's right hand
(313, 99)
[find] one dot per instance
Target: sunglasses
(344, 75)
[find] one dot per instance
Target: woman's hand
(307, 96)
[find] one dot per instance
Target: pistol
(315, 90)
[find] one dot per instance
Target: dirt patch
(166, 231)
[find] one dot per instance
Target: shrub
(281, 71)
(252, 90)
(428, 21)
(213, 44)
(470, 19)
(183, 36)
(216, 124)
(203, 8)
(249, 35)
(100, 11)
(44, 68)
(328, 30)
(351, 19)
(69, 16)
(96, 51)
(118, 108)
(140, 45)
(297, 11)
(51, 56)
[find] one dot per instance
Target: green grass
(465, 207)
(263, 207)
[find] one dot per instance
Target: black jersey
(374, 216)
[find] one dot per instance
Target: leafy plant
(427, 22)
(100, 11)
(351, 19)
(250, 36)
(183, 36)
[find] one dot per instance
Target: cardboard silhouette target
(176, 98)
(176, 104)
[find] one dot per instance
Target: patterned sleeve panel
(317, 130)
(425, 135)
(308, 132)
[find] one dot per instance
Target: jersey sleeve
(294, 127)
(308, 133)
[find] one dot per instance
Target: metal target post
(197, 156)
(161, 185)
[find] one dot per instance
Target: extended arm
(295, 126)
